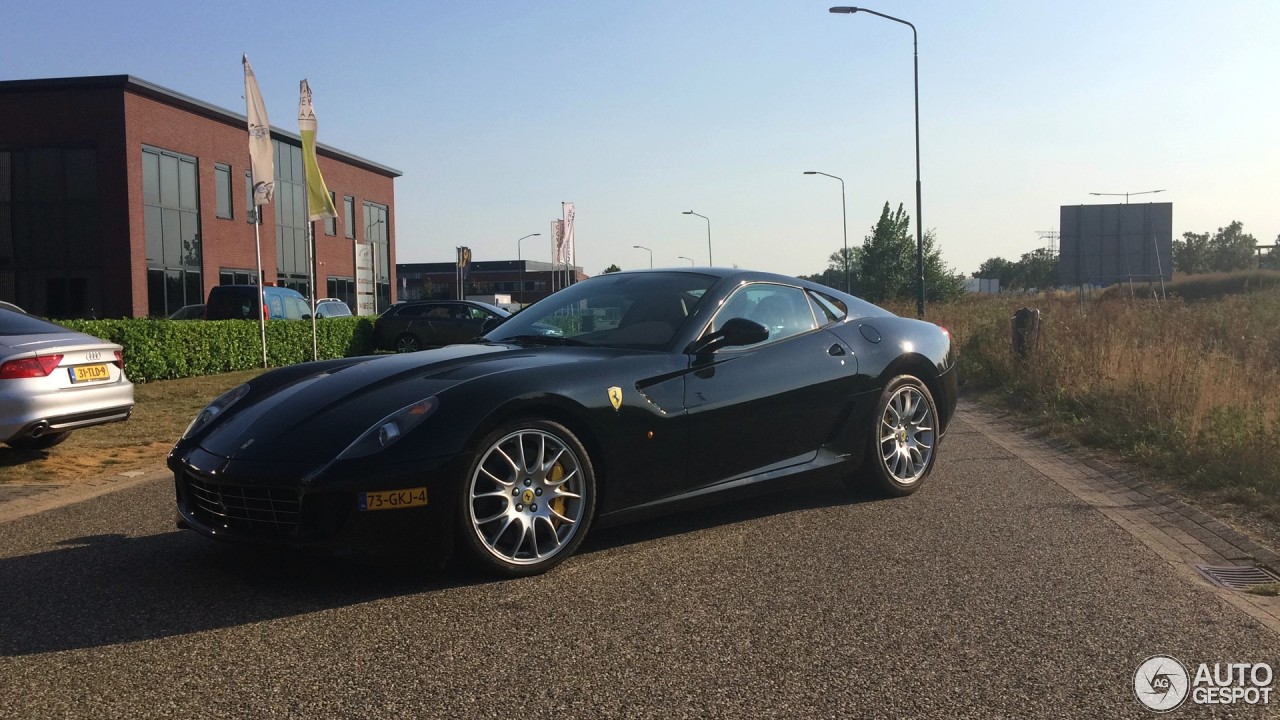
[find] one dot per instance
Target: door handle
(835, 350)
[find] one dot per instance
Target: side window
(274, 307)
(439, 312)
(296, 308)
(784, 310)
(831, 307)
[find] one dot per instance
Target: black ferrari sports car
(621, 396)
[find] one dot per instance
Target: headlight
(390, 429)
(215, 408)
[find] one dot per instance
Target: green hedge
(158, 349)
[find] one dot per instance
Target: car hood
(313, 417)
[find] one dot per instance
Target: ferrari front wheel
(529, 497)
(904, 437)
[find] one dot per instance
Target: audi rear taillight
(120, 358)
(29, 367)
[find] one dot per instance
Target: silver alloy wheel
(406, 344)
(907, 432)
(526, 497)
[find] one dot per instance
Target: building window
(231, 276)
(291, 211)
(343, 288)
(375, 233)
(331, 225)
(171, 220)
(222, 189)
(295, 282)
(349, 215)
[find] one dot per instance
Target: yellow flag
(319, 204)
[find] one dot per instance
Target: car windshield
(636, 311)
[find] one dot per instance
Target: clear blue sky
(497, 112)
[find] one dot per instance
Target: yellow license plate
(90, 373)
(393, 499)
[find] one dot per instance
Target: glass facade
(291, 213)
(376, 232)
(50, 254)
(171, 208)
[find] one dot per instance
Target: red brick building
(120, 198)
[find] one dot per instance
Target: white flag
(261, 157)
(557, 242)
(568, 233)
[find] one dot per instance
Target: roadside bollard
(1026, 332)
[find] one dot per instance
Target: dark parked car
(189, 312)
(666, 389)
(418, 324)
(242, 302)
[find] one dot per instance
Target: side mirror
(736, 332)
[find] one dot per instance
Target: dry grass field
(1187, 388)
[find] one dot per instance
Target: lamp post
(641, 247)
(844, 215)
(520, 262)
(681, 257)
(1127, 194)
(704, 217)
(915, 60)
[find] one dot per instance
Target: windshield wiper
(545, 340)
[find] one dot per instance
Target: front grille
(252, 510)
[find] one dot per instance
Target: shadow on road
(104, 590)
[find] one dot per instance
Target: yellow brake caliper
(556, 474)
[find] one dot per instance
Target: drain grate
(1237, 577)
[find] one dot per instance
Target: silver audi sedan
(54, 380)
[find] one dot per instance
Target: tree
(1191, 253)
(838, 262)
(1232, 249)
(611, 269)
(888, 257)
(940, 282)
(998, 269)
(1037, 269)
(887, 262)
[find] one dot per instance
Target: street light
(704, 217)
(844, 214)
(641, 247)
(681, 257)
(1126, 195)
(915, 60)
(520, 262)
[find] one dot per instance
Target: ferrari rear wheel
(904, 437)
(529, 498)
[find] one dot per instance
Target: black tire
(44, 442)
(407, 342)
(515, 523)
(902, 445)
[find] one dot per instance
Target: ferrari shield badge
(615, 397)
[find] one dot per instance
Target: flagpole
(311, 282)
(257, 247)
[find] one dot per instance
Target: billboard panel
(1103, 244)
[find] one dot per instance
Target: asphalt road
(992, 592)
